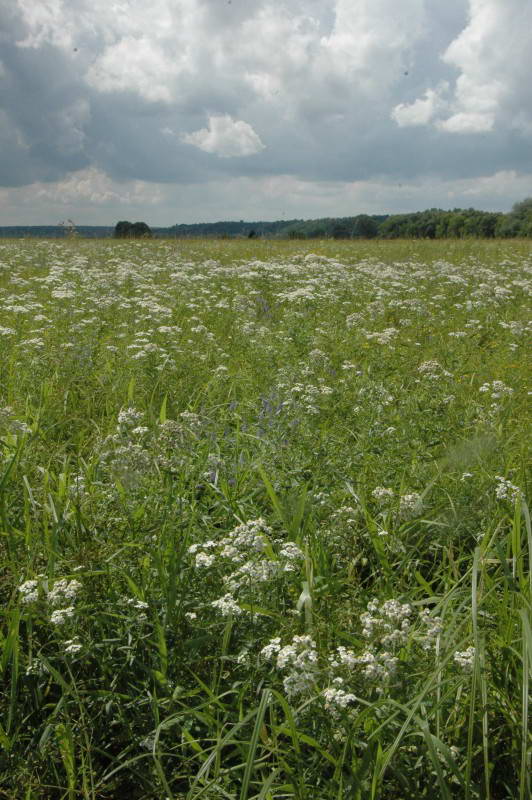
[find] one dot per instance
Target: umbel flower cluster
(63, 591)
(124, 452)
(409, 505)
(248, 558)
(386, 628)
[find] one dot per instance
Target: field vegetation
(263, 518)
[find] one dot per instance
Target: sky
(201, 110)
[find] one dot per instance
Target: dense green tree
(140, 230)
(122, 229)
(341, 231)
(126, 230)
(364, 227)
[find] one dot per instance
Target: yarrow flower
(432, 627)
(29, 591)
(227, 605)
(337, 699)
(410, 505)
(389, 623)
(60, 615)
(496, 389)
(299, 658)
(382, 494)
(205, 560)
(465, 658)
(377, 666)
(505, 490)
(62, 590)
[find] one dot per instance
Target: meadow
(264, 522)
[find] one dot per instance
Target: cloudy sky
(200, 110)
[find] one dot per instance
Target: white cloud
(226, 137)
(493, 57)
(372, 39)
(134, 64)
(421, 111)
(43, 23)
(93, 187)
(467, 122)
(92, 198)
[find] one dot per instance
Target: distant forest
(434, 223)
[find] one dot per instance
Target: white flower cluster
(60, 615)
(299, 659)
(382, 337)
(73, 646)
(383, 495)
(291, 554)
(249, 537)
(62, 591)
(505, 490)
(377, 666)
(227, 605)
(175, 439)
(205, 559)
(374, 665)
(465, 658)
(343, 658)
(139, 606)
(346, 515)
(124, 451)
(433, 370)
(431, 629)
(388, 624)
(29, 591)
(336, 698)
(128, 419)
(249, 548)
(307, 397)
(410, 505)
(496, 389)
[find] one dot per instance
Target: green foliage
(264, 522)
(132, 230)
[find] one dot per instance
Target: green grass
(177, 413)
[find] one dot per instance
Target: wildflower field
(264, 530)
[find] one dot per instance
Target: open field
(263, 519)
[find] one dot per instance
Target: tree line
(434, 223)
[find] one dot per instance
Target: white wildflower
(29, 591)
(337, 699)
(62, 590)
(432, 628)
(382, 494)
(505, 490)
(271, 649)
(60, 615)
(410, 505)
(227, 605)
(73, 646)
(465, 658)
(205, 560)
